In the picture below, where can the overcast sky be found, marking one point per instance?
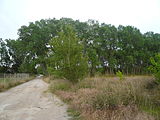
(143, 14)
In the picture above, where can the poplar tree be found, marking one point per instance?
(66, 56)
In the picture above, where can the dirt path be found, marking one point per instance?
(29, 101)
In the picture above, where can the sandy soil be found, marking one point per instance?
(30, 101)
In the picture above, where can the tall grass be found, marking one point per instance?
(8, 82)
(108, 98)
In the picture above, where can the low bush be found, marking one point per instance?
(120, 75)
(155, 67)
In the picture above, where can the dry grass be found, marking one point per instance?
(11, 83)
(108, 98)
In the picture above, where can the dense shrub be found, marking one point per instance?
(155, 67)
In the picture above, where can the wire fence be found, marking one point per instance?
(5, 78)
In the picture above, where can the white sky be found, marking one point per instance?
(143, 14)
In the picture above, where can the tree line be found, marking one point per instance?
(106, 48)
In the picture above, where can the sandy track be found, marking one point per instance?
(29, 101)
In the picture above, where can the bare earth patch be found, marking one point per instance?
(29, 101)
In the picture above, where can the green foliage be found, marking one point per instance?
(107, 47)
(4, 57)
(93, 59)
(40, 70)
(27, 68)
(66, 58)
(120, 75)
(155, 67)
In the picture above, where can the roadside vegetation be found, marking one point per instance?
(7, 82)
(109, 98)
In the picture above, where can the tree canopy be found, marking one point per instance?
(108, 48)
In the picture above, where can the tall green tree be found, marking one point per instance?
(66, 56)
(16, 53)
(130, 49)
(4, 57)
(35, 37)
(107, 42)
